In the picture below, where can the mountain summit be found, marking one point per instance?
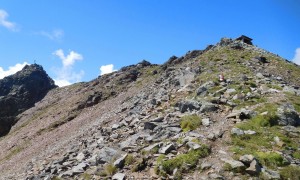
(20, 92)
(230, 111)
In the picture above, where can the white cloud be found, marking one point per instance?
(296, 58)
(61, 82)
(4, 22)
(11, 70)
(66, 75)
(70, 59)
(107, 69)
(55, 35)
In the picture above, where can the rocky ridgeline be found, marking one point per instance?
(182, 121)
(20, 92)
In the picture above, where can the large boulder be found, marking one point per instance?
(287, 115)
(20, 92)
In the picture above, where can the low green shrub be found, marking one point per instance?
(181, 161)
(190, 122)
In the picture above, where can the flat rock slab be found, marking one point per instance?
(119, 176)
(166, 149)
(233, 163)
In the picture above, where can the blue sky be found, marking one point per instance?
(72, 39)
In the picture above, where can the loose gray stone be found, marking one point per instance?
(193, 145)
(260, 75)
(166, 149)
(174, 129)
(211, 136)
(230, 91)
(80, 157)
(80, 168)
(215, 176)
(233, 163)
(254, 168)
(119, 176)
(119, 163)
(207, 107)
(247, 159)
(105, 155)
(156, 145)
(205, 122)
(202, 90)
(149, 125)
(131, 140)
(237, 131)
(249, 132)
(188, 105)
(205, 165)
(242, 114)
(66, 174)
(158, 119)
(115, 126)
(114, 136)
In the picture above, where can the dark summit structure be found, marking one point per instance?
(20, 92)
(245, 39)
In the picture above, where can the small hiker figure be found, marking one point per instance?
(221, 77)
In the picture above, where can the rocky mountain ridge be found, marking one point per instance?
(230, 111)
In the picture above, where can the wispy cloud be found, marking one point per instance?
(66, 75)
(11, 70)
(5, 23)
(296, 58)
(105, 69)
(55, 35)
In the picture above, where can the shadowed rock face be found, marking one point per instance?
(21, 91)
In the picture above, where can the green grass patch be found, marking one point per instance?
(290, 172)
(275, 86)
(270, 159)
(129, 160)
(249, 144)
(181, 161)
(110, 169)
(296, 154)
(249, 102)
(86, 176)
(267, 120)
(190, 122)
(266, 129)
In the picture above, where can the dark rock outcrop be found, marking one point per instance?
(21, 91)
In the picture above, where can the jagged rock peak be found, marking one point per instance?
(21, 91)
